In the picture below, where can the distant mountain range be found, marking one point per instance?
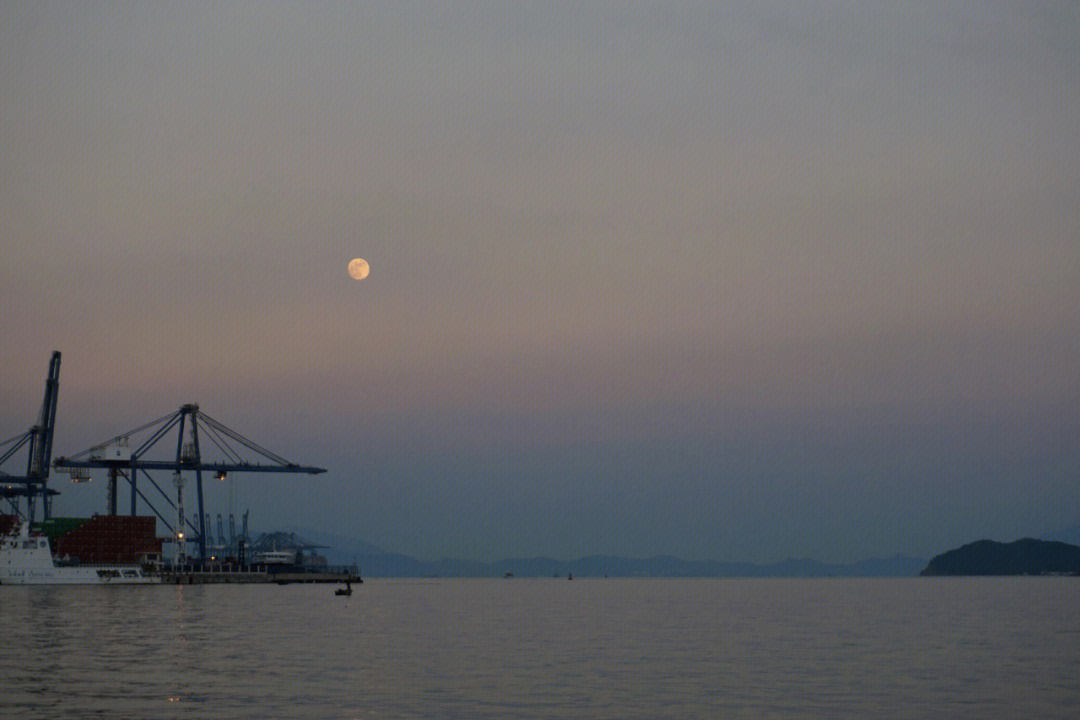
(376, 562)
(391, 565)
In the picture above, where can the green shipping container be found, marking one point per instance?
(57, 527)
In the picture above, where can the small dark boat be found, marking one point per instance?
(347, 590)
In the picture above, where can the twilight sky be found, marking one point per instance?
(738, 281)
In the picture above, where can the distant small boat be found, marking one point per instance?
(570, 576)
(347, 590)
(508, 575)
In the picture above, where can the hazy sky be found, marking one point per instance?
(738, 281)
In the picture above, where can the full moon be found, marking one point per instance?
(358, 269)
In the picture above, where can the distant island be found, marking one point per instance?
(1022, 557)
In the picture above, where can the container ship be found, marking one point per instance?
(124, 550)
(104, 549)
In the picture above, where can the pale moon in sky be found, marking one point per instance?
(358, 269)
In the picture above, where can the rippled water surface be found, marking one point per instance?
(590, 648)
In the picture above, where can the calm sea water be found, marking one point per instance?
(545, 648)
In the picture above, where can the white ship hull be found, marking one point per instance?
(80, 575)
(28, 560)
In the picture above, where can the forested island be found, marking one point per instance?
(1022, 557)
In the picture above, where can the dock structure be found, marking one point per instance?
(246, 574)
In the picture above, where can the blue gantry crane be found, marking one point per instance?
(123, 459)
(39, 438)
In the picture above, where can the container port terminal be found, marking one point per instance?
(118, 547)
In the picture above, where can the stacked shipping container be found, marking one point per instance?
(110, 539)
(7, 523)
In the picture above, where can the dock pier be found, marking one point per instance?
(217, 574)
